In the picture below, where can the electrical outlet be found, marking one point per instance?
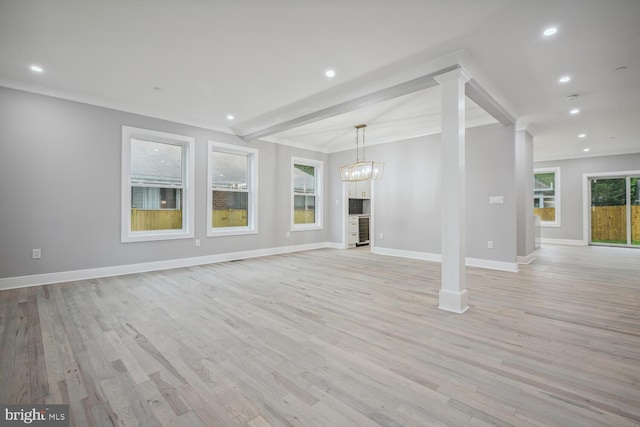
(490, 244)
(288, 234)
(36, 253)
(381, 236)
(197, 242)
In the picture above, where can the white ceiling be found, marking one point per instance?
(397, 119)
(251, 58)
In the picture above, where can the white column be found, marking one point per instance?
(524, 201)
(453, 293)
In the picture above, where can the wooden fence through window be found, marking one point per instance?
(545, 214)
(156, 219)
(609, 224)
(230, 218)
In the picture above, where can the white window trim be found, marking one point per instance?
(252, 185)
(319, 165)
(187, 231)
(558, 191)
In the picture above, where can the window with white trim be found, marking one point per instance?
(546, 196)
(157, 185)
(306, 194)
(232, 198)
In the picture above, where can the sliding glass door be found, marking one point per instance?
(634, 186)
(615, 211)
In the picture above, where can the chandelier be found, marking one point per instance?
(361, 170)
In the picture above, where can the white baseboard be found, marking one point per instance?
(563, 242)
(471, 262)
(424, 256)
(489, 264)
(527, 259)
(94, 273)
(334, 245)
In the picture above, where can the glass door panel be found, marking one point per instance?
(609, 211)
(635, 210)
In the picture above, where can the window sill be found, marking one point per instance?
(231, 231)
(550, 224)
(306, 227)
(149, 237)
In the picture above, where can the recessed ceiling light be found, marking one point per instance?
(230, 117)
(330, 73)
(582, 135)
(574, 111)
(550, 31)
(586, 150)
(36, 68)
(564, 79)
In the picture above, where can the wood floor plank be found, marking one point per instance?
(51, 357)
(8, 344)
(190, 419)
(158, 404)
(169, 394)
(21, 390)
(260, 421)
(135, 370)
(201, 407)
(115, 395)
(331, 337)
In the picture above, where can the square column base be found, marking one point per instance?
(455, 302)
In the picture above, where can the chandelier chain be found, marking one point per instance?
(357, 145)
(363, 129)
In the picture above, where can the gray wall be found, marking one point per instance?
(571, 189)
(491, 172)
(407, 199)
(524, 191)
(60, 189)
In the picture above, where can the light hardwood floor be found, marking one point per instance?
(334, 338)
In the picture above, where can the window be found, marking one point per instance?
(306, 197)
(157, 185)
(232, 194)
(546, 196)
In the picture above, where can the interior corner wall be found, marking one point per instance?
(407, 199)
(60, 174)
(524, 191)
(571, 199)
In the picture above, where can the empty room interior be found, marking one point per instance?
(320, 213)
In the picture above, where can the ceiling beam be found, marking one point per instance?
(475, 92)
